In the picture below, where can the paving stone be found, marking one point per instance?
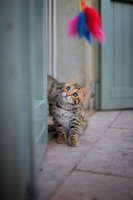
(86, 186)
(57, 163)
(103, 118)
(113, 154)
(98, 124)
(125, 120)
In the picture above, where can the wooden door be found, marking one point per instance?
(116, 72)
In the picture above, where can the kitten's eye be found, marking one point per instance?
(68, 88)
(75, 94)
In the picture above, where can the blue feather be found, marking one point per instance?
(82, 28)
(88, 36)
(81, 25)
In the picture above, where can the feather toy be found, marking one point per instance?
(72, 27)
(87, 23)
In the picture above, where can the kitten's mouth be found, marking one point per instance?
(66, 97)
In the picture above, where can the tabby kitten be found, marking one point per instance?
(68, 114)
(54, 87)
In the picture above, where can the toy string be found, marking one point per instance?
(80, 4)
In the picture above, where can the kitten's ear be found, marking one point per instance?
(86, 92)
(73, 79)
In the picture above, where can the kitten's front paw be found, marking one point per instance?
(62, 139)
(73, 140)
(73, 143)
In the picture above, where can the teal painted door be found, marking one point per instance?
(23, 96)
(117, 56)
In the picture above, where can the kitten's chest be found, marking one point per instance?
(64, 117)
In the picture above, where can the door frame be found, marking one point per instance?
(52, 37)
(98, 68)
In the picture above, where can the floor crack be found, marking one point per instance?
(106, 174)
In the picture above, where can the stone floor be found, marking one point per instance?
(100, 168)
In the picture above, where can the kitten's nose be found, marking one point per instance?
(67, 95)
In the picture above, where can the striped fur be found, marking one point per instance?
(68, 114)
(54, 87)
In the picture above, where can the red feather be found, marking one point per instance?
(93, 21)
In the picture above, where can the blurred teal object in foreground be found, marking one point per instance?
(23, 95)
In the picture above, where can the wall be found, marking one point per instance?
(74, 56)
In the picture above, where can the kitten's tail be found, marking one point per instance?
(51, 128)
